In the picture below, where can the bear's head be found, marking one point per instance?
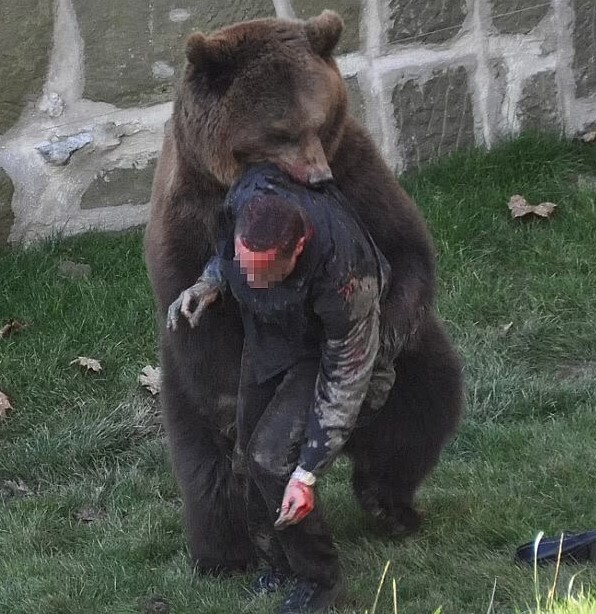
(263, 90)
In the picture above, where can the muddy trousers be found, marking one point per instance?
(271, 421)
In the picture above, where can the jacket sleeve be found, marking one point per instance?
(350, 317)
(212, 273)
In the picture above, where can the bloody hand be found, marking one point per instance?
(297, 504)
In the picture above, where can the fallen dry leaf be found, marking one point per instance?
(150, 378)
(520, 207)
(544, 209)
(14, 326)
(89, 514)
(16, 488)
(87, 363)
(5, 405)
(589, 137)
(156, 604)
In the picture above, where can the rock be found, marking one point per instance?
(425, 21)
(58, 150)
(26, 40)
(517, 16)
(51, 104)
(584, 41)
(124, 41)
(435, 117)
(121, 186)
(538, 106)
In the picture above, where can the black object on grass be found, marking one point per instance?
(574, 548)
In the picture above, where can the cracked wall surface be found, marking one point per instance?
(87, 89)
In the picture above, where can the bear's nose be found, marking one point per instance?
(320, 175)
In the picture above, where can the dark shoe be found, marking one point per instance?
(575, 548)
(270, 582)
(309, 597)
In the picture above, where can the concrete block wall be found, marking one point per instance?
(87, 88)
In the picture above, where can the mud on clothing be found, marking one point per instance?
(271, 419)
(327, 309)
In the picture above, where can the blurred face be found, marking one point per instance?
(265, 269)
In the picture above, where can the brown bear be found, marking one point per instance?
(269, 90)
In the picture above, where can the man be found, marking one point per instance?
(308, 280)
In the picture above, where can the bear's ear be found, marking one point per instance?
(206, 53)
(323, 32)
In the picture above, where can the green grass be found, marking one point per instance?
(520, 301)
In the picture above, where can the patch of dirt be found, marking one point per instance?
(586, 182)
(156, 604)
(74, 270)
(581, 370)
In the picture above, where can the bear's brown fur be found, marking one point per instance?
(270, 90)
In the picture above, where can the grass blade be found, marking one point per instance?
(550, 600)
(492, 598)
(536, 583)
(374, 608)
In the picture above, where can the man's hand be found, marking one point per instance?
(192, 303)
(297, 504)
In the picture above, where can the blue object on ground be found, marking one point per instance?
(575, 548)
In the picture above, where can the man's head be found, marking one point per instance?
(270, 236)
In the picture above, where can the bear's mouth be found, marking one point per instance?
(307, 175)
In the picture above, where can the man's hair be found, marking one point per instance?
(272, 222)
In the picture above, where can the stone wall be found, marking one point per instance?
(87, 88)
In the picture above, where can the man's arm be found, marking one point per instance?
(347, 364)
(351, 326)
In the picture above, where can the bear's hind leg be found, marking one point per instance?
(201, 453)
(213, 496)
(383, 491)
(397, 449)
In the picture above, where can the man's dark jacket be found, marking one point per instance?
(327, 308)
